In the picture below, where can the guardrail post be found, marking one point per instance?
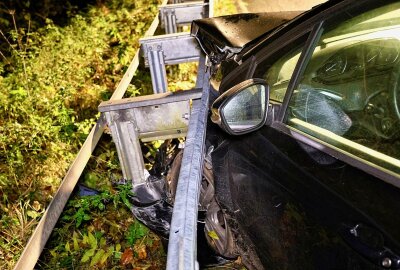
(170, 21)
(125, 136)
(157, 69)
(183, 13)
(170, 49)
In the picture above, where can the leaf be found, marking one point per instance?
(66, 217)
(85, 239)
(108, 254)
(92, 241)
(20, 92)
(53, 252)
(141, 230)
(127, 256)
(103, 241)
(96, 258)
(136, 231)
(78, 220)
(101, 206)
(141, 252)
(213, 235)
(75, 239)
(32, 214)
(67, 247)
(86, 256)
(91, 179)
(117, 255)
(126, 201)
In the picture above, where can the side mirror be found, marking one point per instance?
(243, 108)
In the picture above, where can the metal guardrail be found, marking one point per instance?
(146, 118)
(182, 246)
(173, 48)
(159, 116)
(127, 126)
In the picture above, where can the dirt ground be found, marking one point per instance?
(275, 5)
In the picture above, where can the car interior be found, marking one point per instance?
(348, 92)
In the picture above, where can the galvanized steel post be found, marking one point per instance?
(157, 69)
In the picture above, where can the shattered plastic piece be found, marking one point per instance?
(86, 191)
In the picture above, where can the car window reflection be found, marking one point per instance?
(350, 85)
(278, 69)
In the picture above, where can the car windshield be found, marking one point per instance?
(386, 17)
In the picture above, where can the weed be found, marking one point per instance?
(80, 209)
(99, 239)
(135, 232)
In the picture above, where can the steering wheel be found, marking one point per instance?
(395, 90)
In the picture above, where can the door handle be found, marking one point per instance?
(369, 243)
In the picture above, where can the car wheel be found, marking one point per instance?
(217, 231)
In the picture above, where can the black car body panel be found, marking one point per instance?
(296, 214)
(294, 201)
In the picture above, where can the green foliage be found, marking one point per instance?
(97, 241)
(51, 82)
(225, 7)
(135, 232)
(80, 209)
(89, 249)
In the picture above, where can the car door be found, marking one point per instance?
(318, 187)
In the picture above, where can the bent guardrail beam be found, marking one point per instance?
(182, 246)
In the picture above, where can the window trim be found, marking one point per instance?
(305, 56)
(382, 173)
(248, 65)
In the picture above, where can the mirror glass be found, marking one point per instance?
(246, 109)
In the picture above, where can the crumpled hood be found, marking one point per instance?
(223, 37)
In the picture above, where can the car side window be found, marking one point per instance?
(348, 94)
(278, 68)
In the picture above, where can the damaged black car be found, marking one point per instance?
(303, 143)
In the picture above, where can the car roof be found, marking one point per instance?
(237, 30)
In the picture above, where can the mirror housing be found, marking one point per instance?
(243, 108)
